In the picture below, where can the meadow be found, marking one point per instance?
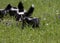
(49, 32)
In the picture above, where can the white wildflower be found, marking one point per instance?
(47, 24)
(33, 40)
(44, 18)
(57, 11)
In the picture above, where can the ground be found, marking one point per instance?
(49, 32)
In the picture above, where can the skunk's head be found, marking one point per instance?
(20, 7)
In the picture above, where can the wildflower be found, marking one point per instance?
(47, 24)
(57, 12)
(44, 18)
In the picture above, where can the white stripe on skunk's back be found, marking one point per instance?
(14, 9)
(17, 10)
(20, 13)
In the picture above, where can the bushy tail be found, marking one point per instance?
(8, 7)
(20, 7)
(30, 11)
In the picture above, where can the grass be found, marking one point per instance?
(49, 31)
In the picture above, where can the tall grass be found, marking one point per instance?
(49, 31)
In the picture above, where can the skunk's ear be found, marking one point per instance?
(30, 11)
(20, 6)
(8, 7)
